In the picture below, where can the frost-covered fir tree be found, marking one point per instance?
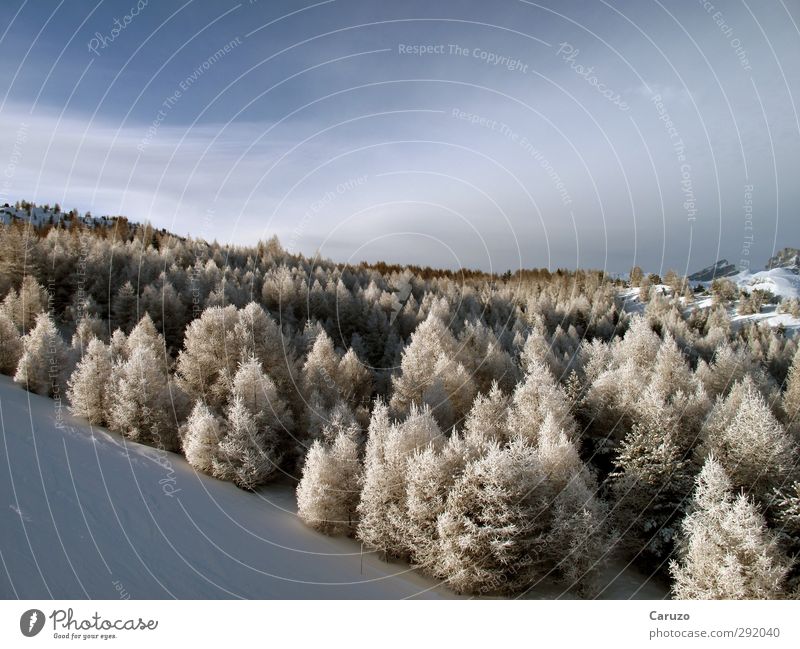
(390, 447)
(520, 514)
(210, 356)
(88, 327)
(247, 456)
(119, 346)
(726, 552)
(535, 397)
(671, 372)
(452, 392)
(43, 367)
(639, 345)
(250, 452)
(260, 396)
(426, 377)
(320, 370)
(431, 474)
(143, 402)
(791, 399)
(354, 379)
(746, 439)
(487, 419)
(24, 307)
(201, 437)
(124, 307)
(730, 366)
(257, 334)
(161, 300)
(145, 334)
(328, 493)
(580, 516)
(651, 485)
(10, 344)
(88, 387)
(482, 354)
(241, 457)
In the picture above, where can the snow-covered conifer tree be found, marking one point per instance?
(10, 344)
(487, 419)
(119, 346)
(328, 493)
(124, 307)
(201, 438)
(354, 380)
(259, 395)
(514, 511)
(389, 450)
(791, 398)
(210, 356)
(247, 456)
(746, 439)
(142, 402)
(535, 397)
(88, 387)
(727, 552)
(430, 475)
(145, 334)
(650, 485)
(43, 365)
(250, 452)
(418, 366)
(258, 335)
(25, 306)
(320, 370)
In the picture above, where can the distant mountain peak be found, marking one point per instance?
(787, 258)
(723, 268)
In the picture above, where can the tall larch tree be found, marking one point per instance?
(43, 366)
(726, 552)
(88, 387)
(328, 492)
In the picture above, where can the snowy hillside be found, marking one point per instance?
(40, 216)
(87, 514)
(781, 282)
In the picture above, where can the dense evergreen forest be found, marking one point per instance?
(493, 430)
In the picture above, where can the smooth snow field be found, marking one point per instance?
(87, 514)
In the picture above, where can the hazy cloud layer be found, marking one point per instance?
(454, 133)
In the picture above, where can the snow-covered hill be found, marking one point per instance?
(83, 513)
(39, 216)
(86, 514)
(781, 282)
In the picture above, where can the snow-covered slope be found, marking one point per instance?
(83, 513)
(781, 282)
(39, 216)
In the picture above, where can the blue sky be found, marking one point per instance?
(492, 135)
